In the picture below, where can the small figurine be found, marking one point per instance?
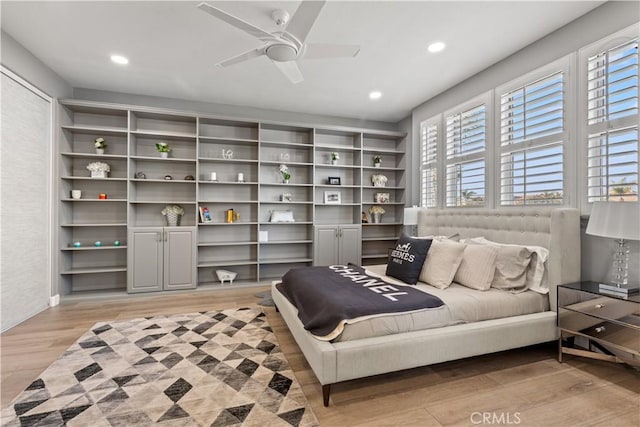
(365, 220)
(141, 175)
(189, 178)
(168, 177)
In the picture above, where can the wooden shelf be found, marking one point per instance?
(286, 242)
(88, 178)
(161, 159)
(219, 160)
(285, 261)
(164, 181)
(94, 155)
(226, 263)
(164, 134)
(206, 139)
(336, 148)
(215, 244)
(104, 130)
(283, 144)
(228, 182)
(118, 224)
(227, 223)
(93, 200)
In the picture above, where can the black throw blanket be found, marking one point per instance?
(328, 297)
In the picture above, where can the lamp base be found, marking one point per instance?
(623, 290)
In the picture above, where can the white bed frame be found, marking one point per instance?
(555, 229)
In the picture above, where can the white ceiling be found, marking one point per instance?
(173, 48)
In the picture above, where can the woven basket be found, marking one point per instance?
(173, 219)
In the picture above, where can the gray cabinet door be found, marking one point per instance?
(325, 245)
(145, 255)
(350, 245)
(179, 258)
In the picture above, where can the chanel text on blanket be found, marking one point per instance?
(371, 283)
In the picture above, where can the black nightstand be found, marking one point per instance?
(610, 323)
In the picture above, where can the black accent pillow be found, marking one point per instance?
(407, 258)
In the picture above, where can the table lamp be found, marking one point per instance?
(411, 219)
(620, 221)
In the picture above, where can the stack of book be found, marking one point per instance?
(622, 291)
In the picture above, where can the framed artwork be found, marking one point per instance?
(332, 197)
(381, 197)
(333, 180)
(205, 214)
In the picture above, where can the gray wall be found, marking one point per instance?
(606, 19)
(22, 62)
(234, 111)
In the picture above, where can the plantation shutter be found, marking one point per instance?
(466, 134)
(612, 123)
(429, 148)
(532, 135)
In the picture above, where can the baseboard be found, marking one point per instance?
(54, 300)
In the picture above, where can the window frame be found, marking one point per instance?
(424, 164)
(584, 129)
(486, 99)
(565, 65)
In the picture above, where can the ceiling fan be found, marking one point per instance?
(285, 47)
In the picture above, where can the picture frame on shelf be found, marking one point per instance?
(381, 197)
(333, 180)
(205, 214)
(286, 197)
(332, 198)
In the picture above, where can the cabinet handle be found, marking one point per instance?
(599, 305)
(600, 329)
(341, 232)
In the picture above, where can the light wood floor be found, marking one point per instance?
(525, 387)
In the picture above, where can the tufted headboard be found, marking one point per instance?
(555, 229)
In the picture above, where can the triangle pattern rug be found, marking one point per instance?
(216, 368)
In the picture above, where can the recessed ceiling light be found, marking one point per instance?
(436, 47)
(375, 94)
(119, 59)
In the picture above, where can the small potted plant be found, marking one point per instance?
(99, 169)
(284, 171)
(376, 213)
(163, 148)
(173, 213)
(100, 145)
(334, 158)
(377, 160)
(379, 180)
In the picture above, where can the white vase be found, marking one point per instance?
(98, 174)
(99, 150)
(376, 165)
(285, 181)
(334, 162)
(164, 155)
(376, 218)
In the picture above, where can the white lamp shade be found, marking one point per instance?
(617, 220)
(411, 215)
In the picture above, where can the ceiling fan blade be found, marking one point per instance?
(290, 70)
(253, 53)
(322, 50)
(236, 22)
(304, 18)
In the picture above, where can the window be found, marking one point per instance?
(428, 166)
(532, 137)
(610, 78)
(466, 133)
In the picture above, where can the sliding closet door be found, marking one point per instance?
(25, 174)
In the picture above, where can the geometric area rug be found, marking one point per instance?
(216, 368)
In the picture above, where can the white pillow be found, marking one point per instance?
(477, 268)
(282, 216)
(442, 262)
(536, 277)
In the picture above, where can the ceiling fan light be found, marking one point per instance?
(436, 47)
(119, 59)
(376, 94)
(282, 52)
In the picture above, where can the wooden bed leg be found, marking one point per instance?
(326, 391)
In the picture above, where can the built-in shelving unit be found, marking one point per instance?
(218, 164)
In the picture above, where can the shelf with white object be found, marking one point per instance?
(93, 156)
(149, 213)
(245, 272)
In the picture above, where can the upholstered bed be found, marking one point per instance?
(554, 229)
